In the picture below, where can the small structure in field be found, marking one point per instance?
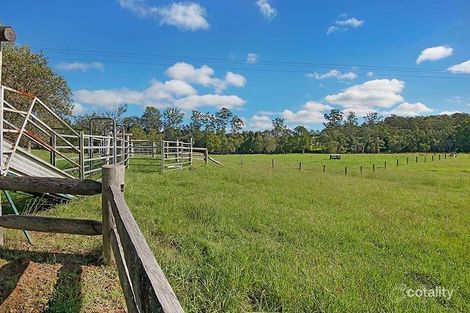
(335, 156)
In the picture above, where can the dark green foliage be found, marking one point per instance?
(342, 133)
(28, 71)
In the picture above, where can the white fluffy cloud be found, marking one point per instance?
(176, 92)
(411, 109)
(252, 58)
(209, 100)
(204, 76)
(259, 122)
(310, 113)
(187, 16)
(350, 22)
(374, 93)
(344, 24)
(460, 68)
(332, 29)
(434, 53)
(266, 9)
(80, 66)
(78, 108)
(379, 95)
(234, 79)
(184, 15)
(169, 89)
(449, 112)
(157, 94)
(189, 73)
(108, 98)
(333, 74)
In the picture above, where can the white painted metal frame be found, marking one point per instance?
(176, 155)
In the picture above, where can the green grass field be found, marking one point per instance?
(247, 237)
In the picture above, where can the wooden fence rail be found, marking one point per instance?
(144, 284)
(147, 283)
(50, 185)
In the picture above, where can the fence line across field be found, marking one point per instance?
(346, 169)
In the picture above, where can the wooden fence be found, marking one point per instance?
(144, 284)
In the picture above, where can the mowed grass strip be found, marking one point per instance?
(248, 237)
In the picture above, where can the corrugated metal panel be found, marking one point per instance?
(26, 164)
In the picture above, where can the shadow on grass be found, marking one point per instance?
(10, 275)
(67, 295)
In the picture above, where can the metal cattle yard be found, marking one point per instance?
(176, 155)
(38, 142)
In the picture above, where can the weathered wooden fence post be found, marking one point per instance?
(206, 156)
(272, 163)
(324, 168)
(397, 162)
(345, 170)
(445, 155)
(439, 156)
(407, 160)
(425, 159)
(373, 167)
(300, 166)
(361, 169)
(416, 159)
(432, 158)
(385, 164)
(112, 175)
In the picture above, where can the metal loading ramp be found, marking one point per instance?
(23, 163)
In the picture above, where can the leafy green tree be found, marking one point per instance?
(270, 144)
(462, 136)
(138, 132)
(236, 124)
(117, 113)
(372, 118)
(279, 127)
(30, 72)
(172, 118)
(303, 139)
(351, 119)
(197, 121)
(131, 121)
(151, 119)
(333, 119)
(223, 118)
(213, 142)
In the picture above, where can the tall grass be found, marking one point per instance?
(249, 237)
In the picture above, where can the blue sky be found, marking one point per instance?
(260, 58)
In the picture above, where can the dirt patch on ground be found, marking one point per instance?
(57, 274)
(33, 290)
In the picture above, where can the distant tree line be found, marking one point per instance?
(222, 132)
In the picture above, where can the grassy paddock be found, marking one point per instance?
(248, 237)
